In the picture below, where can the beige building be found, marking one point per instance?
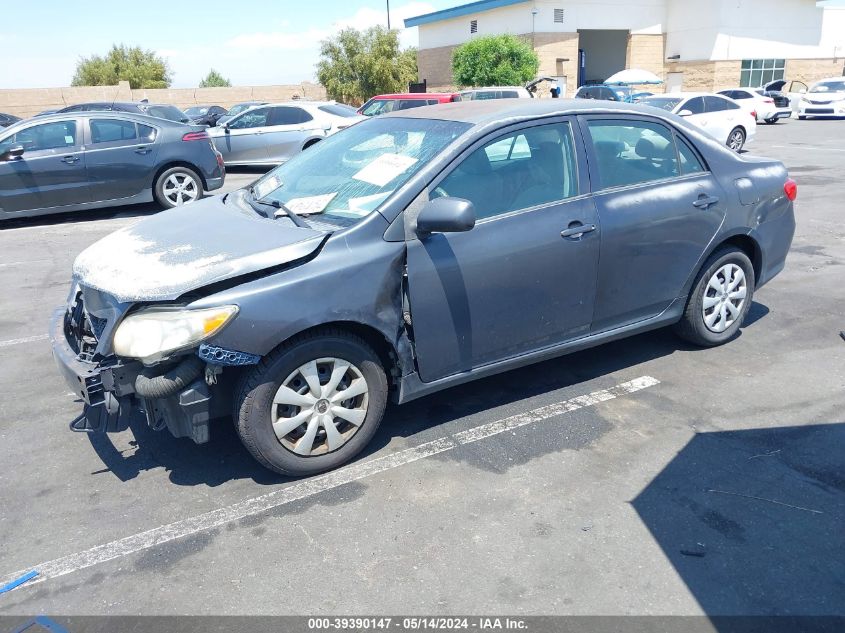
(691, 45)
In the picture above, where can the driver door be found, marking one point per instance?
(524, 277)
(51, 172)
(243, 140)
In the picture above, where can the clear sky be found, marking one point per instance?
(251, 42)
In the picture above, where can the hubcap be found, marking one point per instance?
(736, 140)
(724, 298)
(320, 406)
(180, 188)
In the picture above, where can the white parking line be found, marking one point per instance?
(809, 147)
(316, 485)
(26, 339)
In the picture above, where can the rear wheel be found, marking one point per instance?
(772, 120)
(736, 139)
(719, 300)
(178, 186)
(313, 404)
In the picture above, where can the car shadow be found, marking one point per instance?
(224, 458)
(75, 217)
(752, 520)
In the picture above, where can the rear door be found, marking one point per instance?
(243, 140)
(697, 116)
(51, 172)
(524, 277)
(723, 116)
(120, 157)
(287, 129)
(659, 208)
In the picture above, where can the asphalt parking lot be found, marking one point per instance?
(688, 482)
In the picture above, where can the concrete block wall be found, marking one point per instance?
(30, 101)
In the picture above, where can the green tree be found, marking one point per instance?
(215, 80)
(142, 69)
(494, 60)
(355, 65)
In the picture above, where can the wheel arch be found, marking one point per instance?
(179, 163)
(311, 141)
(386, 351)
(741, 240)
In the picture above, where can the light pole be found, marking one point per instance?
(388, 15)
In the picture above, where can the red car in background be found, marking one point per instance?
(382, 104)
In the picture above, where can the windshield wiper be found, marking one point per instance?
(278, 205)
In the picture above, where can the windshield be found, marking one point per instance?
(196, 111)
(378, 106)
(347, 176)
(338, 109)
(171, 113)
(829, 86)
(664, 103)
(239, 108)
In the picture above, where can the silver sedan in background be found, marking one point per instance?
(273, 133)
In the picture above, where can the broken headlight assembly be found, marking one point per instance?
(152, 333)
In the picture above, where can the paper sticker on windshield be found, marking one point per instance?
(267, 186)
(68, 140)
(311, 204)
(384, 169)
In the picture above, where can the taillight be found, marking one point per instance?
(754, 113)
(196, 136)
(790, 188)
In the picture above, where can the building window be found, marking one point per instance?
(473, 26)
(558, 16)
(758, 72)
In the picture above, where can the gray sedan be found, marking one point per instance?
(272, 134)
(414, 252)
(88, 160)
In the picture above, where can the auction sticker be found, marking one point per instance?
(384, 169)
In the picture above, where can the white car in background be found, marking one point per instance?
(719, 116)
(824, 98)
(495, 92)
(756, 102)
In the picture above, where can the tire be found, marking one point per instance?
(801, 117)
(771, 121)
(693, 327)
(256, 408)
(178, 186)
(736, 139)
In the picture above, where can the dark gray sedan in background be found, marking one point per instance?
(414, 252)
(74, 161)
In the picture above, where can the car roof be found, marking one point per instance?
(139, 118)
(487, 111)
(494, 88)
(417, 95)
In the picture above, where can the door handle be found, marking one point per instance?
(70, 160)
(704, 201)
(576, 230)
(143, 150)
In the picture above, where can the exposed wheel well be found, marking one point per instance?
(179, 163)
(313, 141)
(748, 246)
(375, 339)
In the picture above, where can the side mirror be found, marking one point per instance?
(685, 113)
(446, 215)
(13, 153)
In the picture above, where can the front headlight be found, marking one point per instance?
(151, 334)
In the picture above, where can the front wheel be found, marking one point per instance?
(177, 186)
(313, 404)
(719, 300)
(736, 139)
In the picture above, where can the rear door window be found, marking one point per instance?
(288, 116)
(690, 163)
(630, 152)
(715, 104)
(113, 132)
(694, 105)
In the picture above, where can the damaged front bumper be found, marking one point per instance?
(108, 388)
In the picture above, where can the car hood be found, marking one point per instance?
(833, 95)
(176, 251)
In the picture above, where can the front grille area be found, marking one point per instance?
(819, 110)
(82, 330)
